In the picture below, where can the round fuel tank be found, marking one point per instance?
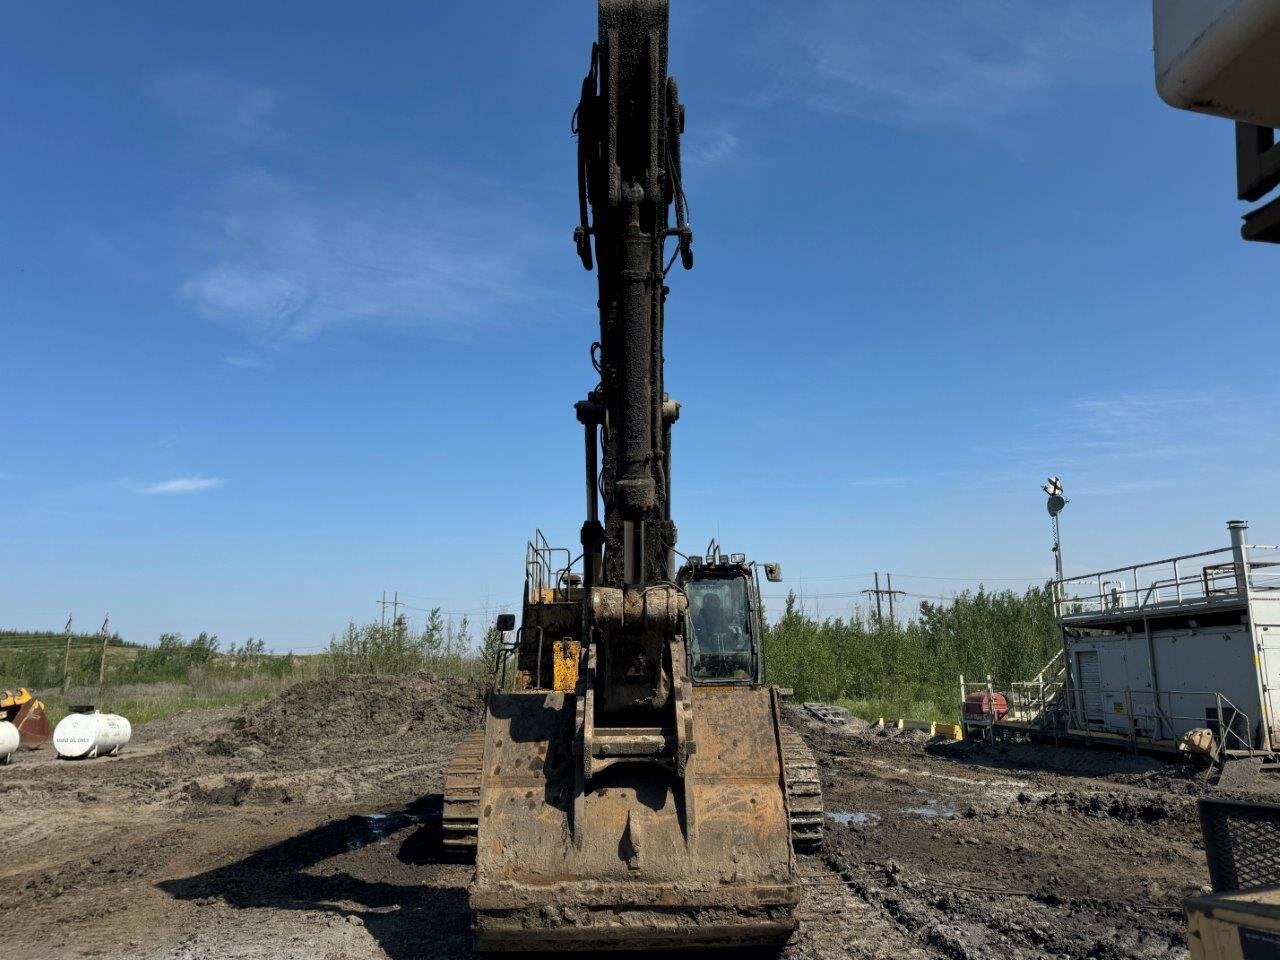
(82, 735)
(981, 704)
(9, 739)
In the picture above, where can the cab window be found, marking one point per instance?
(720, 641)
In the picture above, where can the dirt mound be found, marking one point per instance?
(361, 708)
(1126, 807)
(801, 719)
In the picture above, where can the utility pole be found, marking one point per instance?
(102, 664)
(395, 610)
(889, 592)
(66, 657)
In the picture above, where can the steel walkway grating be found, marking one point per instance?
(1242, 841)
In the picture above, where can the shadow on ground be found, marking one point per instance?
(403, 889)
(1101, 763)
(387, 869)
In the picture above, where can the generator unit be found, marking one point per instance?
(1155, 650)
(1153, 653)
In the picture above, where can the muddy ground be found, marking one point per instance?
(308, 827)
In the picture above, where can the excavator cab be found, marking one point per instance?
(724, 621)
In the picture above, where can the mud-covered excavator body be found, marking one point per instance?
(630, 788)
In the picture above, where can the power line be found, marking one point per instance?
(75, 648)
(922, 576)
(447, 613)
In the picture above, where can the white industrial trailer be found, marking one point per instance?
(1152, 651)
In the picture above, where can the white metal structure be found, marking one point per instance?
(1220, 57)
(84, 735)
(1153, 650)
(1157, 649)
(9, 740)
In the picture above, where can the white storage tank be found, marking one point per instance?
(1220, 57)
(8, 740)
(90, 734)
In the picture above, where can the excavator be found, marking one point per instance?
(634, 786)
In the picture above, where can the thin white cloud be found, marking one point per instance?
(716, 146)
(287, 262)
(180, 485)
(924, 64)
(889, 480)
(216, 108)
(244, 362)
(287, 257)
(1135, 415)
(1137, 442)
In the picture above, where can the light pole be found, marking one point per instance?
(1053, 487)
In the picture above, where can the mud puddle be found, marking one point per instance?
(928, 808)
(373, 828)
(854, 818)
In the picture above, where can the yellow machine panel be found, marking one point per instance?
(1241, 925)
(1240, 920)
(565, 666)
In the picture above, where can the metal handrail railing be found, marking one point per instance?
(1026, 700)
(1167, 583)
(1054, 704)
(540, 572)
(1226, 716)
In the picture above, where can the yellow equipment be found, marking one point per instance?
(1240, 920)
(26, 712)
(1241, 925)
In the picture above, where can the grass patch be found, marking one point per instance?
(872, 709)
(150, 682)
(153, 682)
(142, 703)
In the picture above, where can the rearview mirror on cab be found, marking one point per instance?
(773, 572)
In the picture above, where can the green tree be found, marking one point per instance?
(491, 650)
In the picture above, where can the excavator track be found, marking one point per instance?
(462, 798)
(804, 792)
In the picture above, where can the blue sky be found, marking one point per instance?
(290, 314)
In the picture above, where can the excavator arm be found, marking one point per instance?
(628, 123)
